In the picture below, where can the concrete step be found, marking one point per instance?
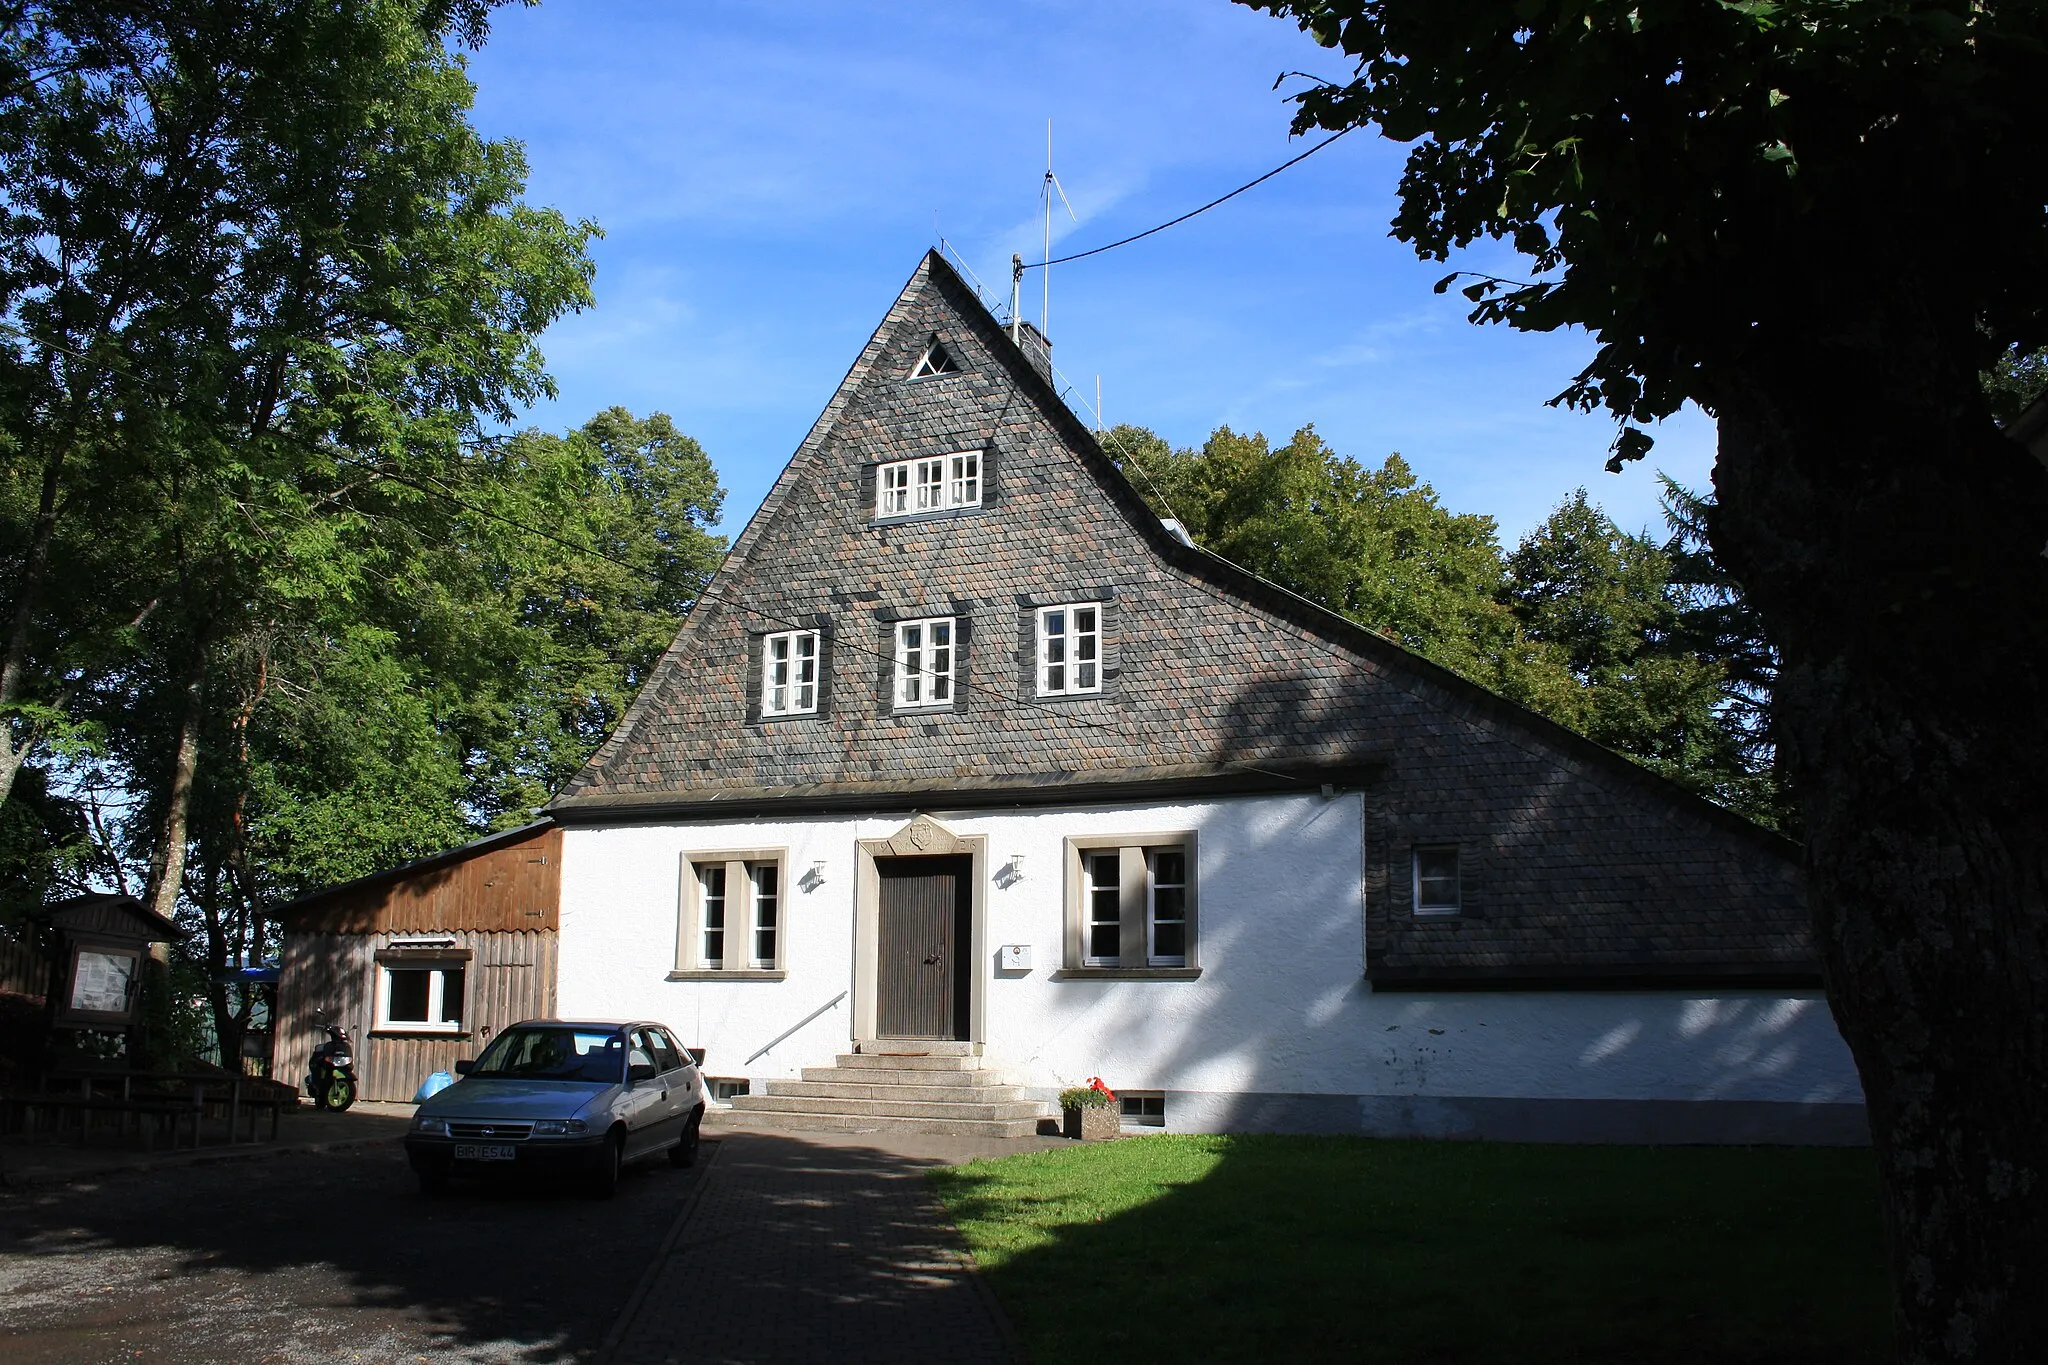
(886, 1108)
(898, 1061)
(917, 1047)
(876, 1075)
(841, 1086)
(872, 1123)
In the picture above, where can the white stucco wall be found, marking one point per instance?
(1281, 1008)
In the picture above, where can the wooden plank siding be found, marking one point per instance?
(509, 977)
(23, 968)
(499, 901)
(511, 887)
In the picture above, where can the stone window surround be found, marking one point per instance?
(689, 914)
(1133, 883)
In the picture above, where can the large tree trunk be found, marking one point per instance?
(167, 862)
(1893, 541)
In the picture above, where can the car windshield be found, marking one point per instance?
(556, 1054)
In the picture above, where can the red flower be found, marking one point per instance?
(1095, 1083)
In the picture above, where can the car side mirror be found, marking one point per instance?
(639, 1071)
(696, 1054)
(465, 1065)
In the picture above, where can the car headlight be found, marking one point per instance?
(559, 1127)
(429, 1127)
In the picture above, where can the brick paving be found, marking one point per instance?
(816, 1247)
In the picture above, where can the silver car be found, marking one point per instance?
(560, 1096)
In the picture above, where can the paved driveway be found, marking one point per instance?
(320, 1257)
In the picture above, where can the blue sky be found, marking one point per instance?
(767, 176)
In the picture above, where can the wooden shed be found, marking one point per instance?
(423, 963)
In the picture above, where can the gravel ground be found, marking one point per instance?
(321, 1257)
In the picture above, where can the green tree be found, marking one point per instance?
(1815, 218)
(1649, 687)
(1376, 545)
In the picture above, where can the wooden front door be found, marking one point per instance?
(923, 947)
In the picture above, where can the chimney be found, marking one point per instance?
(1036, 348)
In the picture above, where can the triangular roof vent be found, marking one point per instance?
(935, 361)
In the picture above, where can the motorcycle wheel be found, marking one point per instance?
(339, 1093)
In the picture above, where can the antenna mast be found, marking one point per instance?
(1050, 188)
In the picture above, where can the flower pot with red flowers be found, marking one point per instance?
(1090, 1111)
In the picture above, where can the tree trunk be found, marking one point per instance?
(16, 747)
(1893, 541)
(167, 862)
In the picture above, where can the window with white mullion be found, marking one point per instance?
(892, 490)
(1102, 933)
(932, 483)
(767, 880)
(711, 882)
(1166, 908)
(1069, 650)
(789, 673)
(924, 662)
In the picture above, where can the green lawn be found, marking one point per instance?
(1303, 1248)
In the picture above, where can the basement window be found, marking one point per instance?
(1143, 1108)
(726, 1087)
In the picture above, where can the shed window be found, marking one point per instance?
(421, 997)
(1437, 890)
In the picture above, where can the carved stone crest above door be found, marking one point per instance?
(922, 837)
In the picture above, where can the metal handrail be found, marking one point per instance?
(794, 1027)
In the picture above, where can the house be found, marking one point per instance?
(964, 763)
(421, 963)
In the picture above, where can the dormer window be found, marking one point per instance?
(934, 361)
(937, 483)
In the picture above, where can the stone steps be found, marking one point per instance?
(914, 1087)
(876, 1123)
(838, 1086)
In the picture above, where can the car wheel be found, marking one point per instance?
(684, 1153)
(604, 1182)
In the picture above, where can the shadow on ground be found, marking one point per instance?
(327, 1256)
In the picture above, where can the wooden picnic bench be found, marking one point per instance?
(154, 1102)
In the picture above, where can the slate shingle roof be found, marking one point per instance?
(1577, 862)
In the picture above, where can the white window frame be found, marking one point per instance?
(741, 927)
(1454, 906)
(437, 1020)
(924, 682)
(1061, 663)
(1092, 907)
(1136, 901)
(929, 483)
(789, 685)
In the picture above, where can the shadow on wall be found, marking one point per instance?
(1774, 1066)
(1305, 1248)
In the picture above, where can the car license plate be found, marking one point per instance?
(484, 1151)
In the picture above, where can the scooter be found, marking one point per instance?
(331, 1073)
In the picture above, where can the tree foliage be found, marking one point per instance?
(1818, 219)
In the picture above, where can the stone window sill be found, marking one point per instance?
(724, 974)
(1127, 974)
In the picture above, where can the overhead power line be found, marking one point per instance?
(1174, 222)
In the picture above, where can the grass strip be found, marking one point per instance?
(1228, 1247)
